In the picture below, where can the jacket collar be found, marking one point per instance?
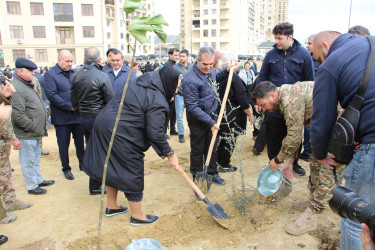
(290, 49)
(60, 71)
(24, 81)
(124, 68)
(338, 41)
(92, 65)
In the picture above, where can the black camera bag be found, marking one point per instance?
(342, 141)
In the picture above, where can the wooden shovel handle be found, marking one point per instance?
(192, 184)
(223, 104)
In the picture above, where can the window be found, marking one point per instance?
(205, 2)
(213, 33)
(108, 23)
(109, 35)
(205, 44)
(205, 22)
(205, 12)
(213, 21)
(63, 12)
(36, 9)
(205, 33)
(88, 31)
(41, 55)
(17, 53)
(122, 35)
(213, 1)
(39, 31)
(213, 45)
(122, 47)
(16, 31)
(87, 10)
(13, 7)
(213, 11)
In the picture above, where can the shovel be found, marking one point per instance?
(214, 209)
(202, 179)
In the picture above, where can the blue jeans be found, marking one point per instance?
(180, 106)
(359, 178)
(29, 158)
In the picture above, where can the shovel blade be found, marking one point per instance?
(203, 181)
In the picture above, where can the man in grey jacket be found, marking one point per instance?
(29, 124)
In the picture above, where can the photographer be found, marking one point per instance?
(336, 82)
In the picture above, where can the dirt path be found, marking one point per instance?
(67, 216)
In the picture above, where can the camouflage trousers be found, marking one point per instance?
(321, 183)
(7, 192)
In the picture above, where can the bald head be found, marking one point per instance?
(65, 60)
(322, 42)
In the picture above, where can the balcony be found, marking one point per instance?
(196, 27)
(110, 2)
(63, 18)
(196, 7)
(196, 16)
(224, 5)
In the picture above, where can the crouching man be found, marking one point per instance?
(294, 101)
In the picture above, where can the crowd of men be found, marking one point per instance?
(297, 90)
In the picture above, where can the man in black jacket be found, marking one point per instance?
(91, 90)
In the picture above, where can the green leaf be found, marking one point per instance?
(138, 30)
(131, 5)
(157, 20)
(160, 33)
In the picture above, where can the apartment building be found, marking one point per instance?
(276, 12)
(227, 25)
(39, 29)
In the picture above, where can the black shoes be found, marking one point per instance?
(112, 212)
(298, 170)
(46, 183)
(173, 132)
(37, 191)
(149, 219)
(181, 138)
(256, 152)
(69, 175)
(3, 239)
(229, 168)
(304, 157)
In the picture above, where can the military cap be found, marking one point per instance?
(25, 63)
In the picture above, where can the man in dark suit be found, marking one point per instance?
(57, 88)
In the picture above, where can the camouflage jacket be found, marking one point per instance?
(6, 128)
(295, 101)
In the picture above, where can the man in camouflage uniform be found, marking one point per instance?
(295, 103)
(8, 138)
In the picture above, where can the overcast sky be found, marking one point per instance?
(308, 17)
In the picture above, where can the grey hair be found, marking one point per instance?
(311, 36)
(225, 59)
(359, 30)
(92, 54)
(207, 51)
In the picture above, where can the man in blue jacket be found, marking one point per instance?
(57, 88)
(118, 74)
(287, 63)
(344, 60)
(201, 109)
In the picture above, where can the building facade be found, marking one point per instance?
(276, 12)
(39, 29)
(237, 26)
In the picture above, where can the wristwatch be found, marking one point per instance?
(277, 160)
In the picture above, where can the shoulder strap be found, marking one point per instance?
(357, 99)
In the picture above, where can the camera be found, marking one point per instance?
(348, 204)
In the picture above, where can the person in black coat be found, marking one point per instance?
(142, 124)
(234, 120)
